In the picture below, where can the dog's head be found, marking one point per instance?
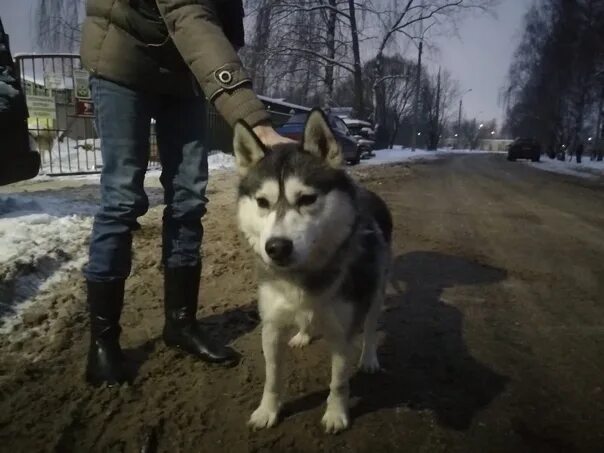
(296, 204)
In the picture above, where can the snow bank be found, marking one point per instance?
(42, 238)
(69, 155)
(217, 160)
(398, 154)
(72, 156)
(590, 169)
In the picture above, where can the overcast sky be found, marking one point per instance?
(479, 57)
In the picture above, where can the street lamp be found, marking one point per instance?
(459, 117)
(481, 126)
(492, 132)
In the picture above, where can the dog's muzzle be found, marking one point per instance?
(279, 250)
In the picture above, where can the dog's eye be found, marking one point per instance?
(307, 200)
(262, 203)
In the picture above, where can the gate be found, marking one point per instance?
(61, 114)
(64, 135)
(61, 111)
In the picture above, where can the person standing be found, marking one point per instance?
(159, 59)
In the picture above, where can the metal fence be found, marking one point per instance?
(64, 136)
(61, 111)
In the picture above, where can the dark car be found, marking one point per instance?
(294, 128)
(524, 148)
(18, 161)
(362, 131)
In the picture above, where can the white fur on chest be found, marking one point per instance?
(286, 304)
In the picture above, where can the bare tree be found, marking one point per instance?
(555, 81)
(58, 24)
(472, 131)
(399, 92)
(260, 41)
(324, 34)
(359, 106)
(400, 19)
(439, 106)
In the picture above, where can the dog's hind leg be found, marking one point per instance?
(267, 412)
(304, 336)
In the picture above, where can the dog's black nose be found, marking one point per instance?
(279, 249)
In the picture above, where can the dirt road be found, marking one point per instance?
(492, 337)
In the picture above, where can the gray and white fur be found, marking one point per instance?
(323, 250)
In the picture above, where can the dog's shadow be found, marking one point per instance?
(426, 362)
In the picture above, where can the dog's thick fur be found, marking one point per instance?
(332, 278)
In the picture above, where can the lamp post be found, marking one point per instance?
(459, 117)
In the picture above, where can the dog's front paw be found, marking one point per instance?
(369, 363)
(335, 420)
(263, 417)
(300, 340)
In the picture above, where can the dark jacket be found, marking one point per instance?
(170, 46)
(17, 160)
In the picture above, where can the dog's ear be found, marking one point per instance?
(247, 146)
(319, 140)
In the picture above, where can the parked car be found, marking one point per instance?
(524, 148)
(294, 128)
(363, 132)
(18, 159)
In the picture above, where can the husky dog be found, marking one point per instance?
(323, 251)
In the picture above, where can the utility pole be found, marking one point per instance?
(436, 126)
(418, 80)
(459, 122)
(459, 116)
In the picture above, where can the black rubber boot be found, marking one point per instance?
(181, 331)
(105, 359)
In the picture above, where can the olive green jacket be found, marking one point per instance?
(170, 46)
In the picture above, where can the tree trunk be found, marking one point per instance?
(260, 44)
(394, 133)
(418, 81)
(331, 52)
(359, 106)
(436, 125)
(379, 103)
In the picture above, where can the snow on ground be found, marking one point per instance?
(217, 160)
(386, 156)
(81, 150)
(41, 239)
(69, 155)
(44, 237)
(590, 169)
(399, 154)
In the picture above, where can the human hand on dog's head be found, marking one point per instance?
(318, 140)
(269, 136)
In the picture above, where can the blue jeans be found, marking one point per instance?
(123, 121)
